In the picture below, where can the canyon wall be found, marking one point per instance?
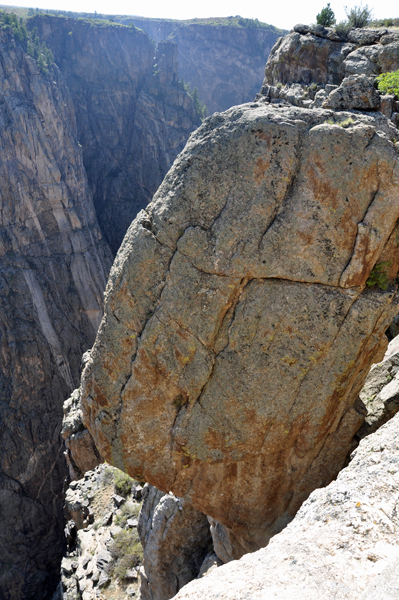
(54, 265)
(132, 116)
(225, 62)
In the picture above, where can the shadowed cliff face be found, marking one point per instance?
(225, 63)
(132, 117)
(53, 269)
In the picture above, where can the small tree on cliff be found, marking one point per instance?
(326, 16)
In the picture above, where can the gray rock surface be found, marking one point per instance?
(54, 265)
(104, 552)
(239, 292)
(176, 540)
(355, 91)
(380, 393)
(314, 54)
(343, 543)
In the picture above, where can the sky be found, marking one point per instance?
(281, 13)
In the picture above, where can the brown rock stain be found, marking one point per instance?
(262, 165)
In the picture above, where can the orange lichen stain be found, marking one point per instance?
(261, 167)
(289, 360)
(100, 398)
(306, 238)
(266, 137)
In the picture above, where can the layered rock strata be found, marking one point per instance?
(238, 327)
(54, 265)
(343, 543)
(132, 116)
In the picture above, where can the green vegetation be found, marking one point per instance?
(127, 511)
(15, 24)
(40, 52)
(385, 22)
(126, 550)
(345, 124)
(379, 275)
(122, 483)
(343, 28)
(28, 40)
(359, 16)
(326, 16)
(199, 106)
(388, 83)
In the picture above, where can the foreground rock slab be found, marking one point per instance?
(343, 543)
(238, 326)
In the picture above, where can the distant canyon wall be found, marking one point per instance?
(132, 117)
(225, 63)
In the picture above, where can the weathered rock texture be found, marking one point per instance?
(238, 329)
(104, 551)
(380, 393)
(53, 270)
(224, 62)
(343, 543)
(132, 116)
(317, 55)
(175, 538)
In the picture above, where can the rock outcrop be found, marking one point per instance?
(343, 543)
(224, 61)
(239, 326)
(132, 116)
(176, 540)
(104, 550)
(54, 266)
(318, 55)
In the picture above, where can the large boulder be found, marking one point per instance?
(239, 326)
(343, 543)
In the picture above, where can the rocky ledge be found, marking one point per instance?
(314, 67)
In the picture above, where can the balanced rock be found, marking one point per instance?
(239, 327)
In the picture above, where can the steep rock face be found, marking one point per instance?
(238, 329)
(224, 63)
(132, 119)
(317, 55)
(54, 266)
(343, 543)
(175, 538)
